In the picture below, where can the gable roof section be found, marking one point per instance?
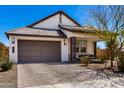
(51, 32)
(26, 31)
(59, 12)
(75, 29)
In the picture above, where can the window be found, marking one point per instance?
(81, 46)
(77, 49)
(13, 50)
(83, 49)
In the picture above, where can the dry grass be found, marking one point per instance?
(8, 79)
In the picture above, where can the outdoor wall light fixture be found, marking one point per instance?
(13, 40)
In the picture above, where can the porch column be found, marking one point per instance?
(95, 45)
(73, 49)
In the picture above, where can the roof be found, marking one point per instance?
(59, 12)
(26, 31)
(75, 29)
(45, 32)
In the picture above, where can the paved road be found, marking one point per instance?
(63, 75)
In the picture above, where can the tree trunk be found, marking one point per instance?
(111, 56)
(111, 63)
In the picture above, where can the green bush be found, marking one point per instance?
(85, 60)
(6, 66)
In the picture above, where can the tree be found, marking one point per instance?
(109, 23)
(3, 53)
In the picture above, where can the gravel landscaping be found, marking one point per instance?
(66, 75)
(8, 79)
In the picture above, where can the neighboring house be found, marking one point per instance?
(56, 38)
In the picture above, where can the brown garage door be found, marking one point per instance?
(39, 51)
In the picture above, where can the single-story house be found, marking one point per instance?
(56, 38)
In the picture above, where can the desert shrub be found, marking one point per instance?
(103, 58)
(6, 66)
(121, 62)
(121, 65)
(85, 60)
(3, 53)
(102, 53)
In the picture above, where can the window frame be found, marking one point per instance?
(13, 40)
(79, 45)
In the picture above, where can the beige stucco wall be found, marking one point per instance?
(51, 23)
(14, 56)
(90, 47)
(67, 21)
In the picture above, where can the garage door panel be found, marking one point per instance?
(39, 51)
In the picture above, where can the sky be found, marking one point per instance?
(15, 16)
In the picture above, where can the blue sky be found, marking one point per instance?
(12, 17)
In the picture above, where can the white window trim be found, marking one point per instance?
(79, 46)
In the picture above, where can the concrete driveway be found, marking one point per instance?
(63, 75)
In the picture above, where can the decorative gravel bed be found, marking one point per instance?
(8, 79)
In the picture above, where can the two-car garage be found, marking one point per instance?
(39, 51)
